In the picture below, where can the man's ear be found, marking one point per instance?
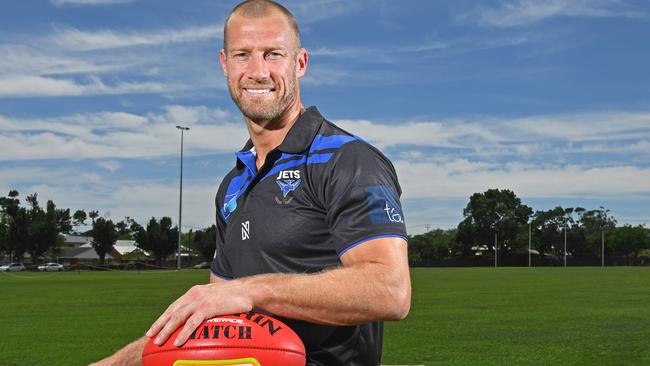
(222, 60)
(301, 63)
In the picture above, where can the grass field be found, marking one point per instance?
(468, 316)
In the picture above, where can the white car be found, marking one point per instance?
(51, 267)
(12, 267)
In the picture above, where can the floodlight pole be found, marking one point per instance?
(529, 248)
(496, 249)
(565, 244)
(180, 201)
(602, 245)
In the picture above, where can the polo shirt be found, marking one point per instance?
(322, 192)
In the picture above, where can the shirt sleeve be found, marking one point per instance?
(362, 197)
(220, 266)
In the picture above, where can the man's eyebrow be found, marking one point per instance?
(248, 49)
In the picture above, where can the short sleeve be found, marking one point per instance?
(220, 266)
(362, 197)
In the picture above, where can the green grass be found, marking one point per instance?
(459, 316)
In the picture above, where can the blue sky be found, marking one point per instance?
(549, 98)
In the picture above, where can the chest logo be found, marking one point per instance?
(245, 230)
(288, 181)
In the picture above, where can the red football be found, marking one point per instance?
(247, 339)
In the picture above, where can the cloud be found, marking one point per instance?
(110, 165)
(527, 12)
(444, 180)
(118, 196)
(89, 2)
(513, 135)
(28, 60)
(107, 135)
(39, 86)
(78, 40)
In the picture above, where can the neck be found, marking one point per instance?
(267, 135)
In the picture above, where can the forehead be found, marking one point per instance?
(270, 30)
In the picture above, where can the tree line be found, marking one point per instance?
(498, 218)
(494, 216)
(37, 230)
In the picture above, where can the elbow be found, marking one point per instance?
(400, 300)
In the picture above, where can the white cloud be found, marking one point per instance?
(526, 12)
(518, 135)
(89, 2)
(110, 165)
(78, 40)
(120, 135)
(27, 60)
(440, 180)
(39, 86)
(118, 197)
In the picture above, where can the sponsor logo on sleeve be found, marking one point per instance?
(383, 205)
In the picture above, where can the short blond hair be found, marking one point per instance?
(259, 9)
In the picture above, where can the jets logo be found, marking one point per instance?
(288, 181)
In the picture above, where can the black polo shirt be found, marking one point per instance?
(320, 193)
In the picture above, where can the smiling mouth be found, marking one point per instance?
(259, 91)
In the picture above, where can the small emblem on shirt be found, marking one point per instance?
(245, 230)
(230, 205)
(288, 181)
(383, 206)
(393, 214)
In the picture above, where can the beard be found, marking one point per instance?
(264, 109)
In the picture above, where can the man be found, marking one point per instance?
(310, 227)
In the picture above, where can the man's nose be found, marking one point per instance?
(258, 68)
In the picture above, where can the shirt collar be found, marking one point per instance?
(299, 137)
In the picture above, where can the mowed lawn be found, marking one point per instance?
(459, 316)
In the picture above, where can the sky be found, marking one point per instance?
(548, 98)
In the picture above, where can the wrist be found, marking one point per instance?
(260, 293)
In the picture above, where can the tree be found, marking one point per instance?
(431, 246)
(16, 224)
(104, 236)
(493, 211)
(629, 240)
(547, 229)
(158, 238)
(124, 228)
(45, 227)
(205, 241)
(31, 229)
(594, 223)
(79, 218)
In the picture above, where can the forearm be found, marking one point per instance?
(130, 355)
(372, 285)
(341, 296)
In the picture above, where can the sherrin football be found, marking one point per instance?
(247, 339)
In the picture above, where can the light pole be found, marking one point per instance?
(565, 244)
(496, 248)
(529, 235)
(602, 246)
(180, 201)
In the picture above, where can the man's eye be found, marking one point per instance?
(274, 55)
(239, 56)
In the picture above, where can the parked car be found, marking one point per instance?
(51, 267)
(202, 265)
(12, 267)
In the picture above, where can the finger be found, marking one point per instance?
(172, 324)
(157, 325)
(190, 326)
